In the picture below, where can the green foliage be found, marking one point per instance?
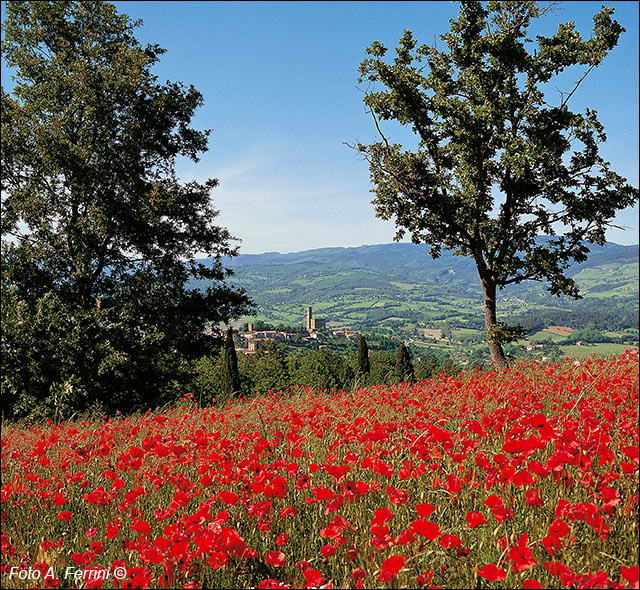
(321, 369)
(404, 364)
(383, 366)
(501, 333)
(99, 235)
(363, 357)
(427, 369)
(230, 379)
(485, 126)
(270, 371)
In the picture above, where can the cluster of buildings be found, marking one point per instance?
(314, 329)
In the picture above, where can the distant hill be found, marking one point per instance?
(410, 256)
(398, 290)
(402, 260)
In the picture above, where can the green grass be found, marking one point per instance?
(601, 348)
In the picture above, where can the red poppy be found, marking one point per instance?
(424, 510)
(492, 572)
(271, 584)
(532, 497)
(217, 559)
(450, 541)
(382, 515)
(630, 574)
(390, 567)
(142, 527)
(66, 516)
(328, 551)
(230, 498)
(313, 578)
(358, 574)
(275, 558)
(558, 528)
(475, 519)
(522, 558)
(429, 530)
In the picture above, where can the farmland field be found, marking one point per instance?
(526, 478)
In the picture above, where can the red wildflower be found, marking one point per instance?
(522, 558)
(558, 528)
(66, 516)
(475, 519)
(271, 584)
(630, 574)
(382, 515)
(313, 578)
(328, 551)
(397, 496)
(532, 497)
(275, 558)
(358, 574)
(142, 527)
(492, 572)
(217, 559)
(450, 541)
(335, 528)
(424, 510)
(429, 530)
(230, 498)
(390, 567)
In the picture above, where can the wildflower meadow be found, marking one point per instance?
(522, 478)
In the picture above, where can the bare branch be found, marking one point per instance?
(564, 102)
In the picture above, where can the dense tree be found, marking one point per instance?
(99, 234)
(321, 369)
(363, 357)
(230, 379)
(269, 369)
(404, 364)
(496, 165)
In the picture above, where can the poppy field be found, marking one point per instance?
(525, 478)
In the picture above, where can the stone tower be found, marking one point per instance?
(307, 323)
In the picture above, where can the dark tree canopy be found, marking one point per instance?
(404, 364)
(496, 165)
(100, 237)
(231, 386)
(363, 356)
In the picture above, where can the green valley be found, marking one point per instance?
(435, 306)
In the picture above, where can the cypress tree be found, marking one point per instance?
(363, 357)
(230, 374)
(404, 365)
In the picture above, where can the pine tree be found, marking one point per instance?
(404, 365)
(230, 375)
(363, 357)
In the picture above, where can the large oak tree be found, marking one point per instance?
(498, 162)
(100, 236)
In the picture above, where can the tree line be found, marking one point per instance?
(229, 374)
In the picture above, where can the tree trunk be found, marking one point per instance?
(495, 348)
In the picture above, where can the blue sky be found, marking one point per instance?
(279, 80)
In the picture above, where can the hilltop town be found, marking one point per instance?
(251, 340)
